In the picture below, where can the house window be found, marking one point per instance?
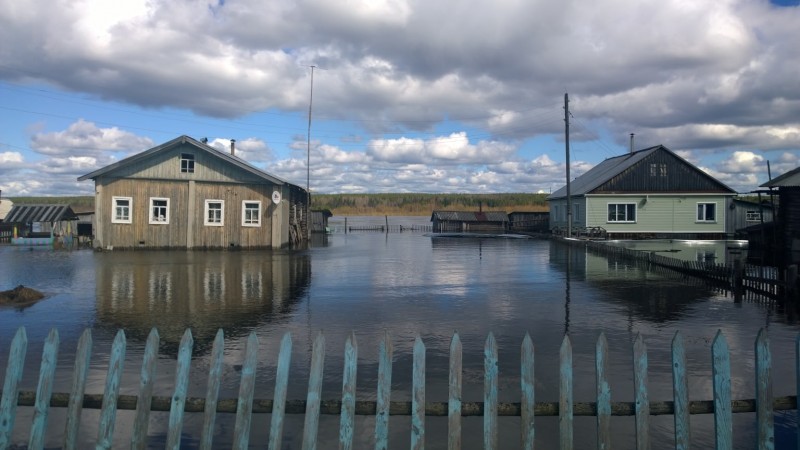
(251, 213)
(622, 212)
(752, 216)
(187, 163)
(214, 213)
(658, 169)
(122, 209)
(159, 210)
(706, 212)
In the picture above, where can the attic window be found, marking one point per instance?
(658, 170)
(187, 163)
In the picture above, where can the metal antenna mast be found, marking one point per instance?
(308, 157)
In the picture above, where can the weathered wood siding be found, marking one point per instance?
(661, 172)
(658, 213)
(232, 233)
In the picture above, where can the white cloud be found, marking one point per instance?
(86, 138)
(10, 157)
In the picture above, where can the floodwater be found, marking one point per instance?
(403, 284)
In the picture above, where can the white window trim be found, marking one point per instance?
(221, 217)
(114, 218)
(244, 211)
(635, 212)
(153, 220)
(716, 212)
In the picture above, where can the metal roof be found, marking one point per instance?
(40, 213)
(789, 179)
(468, 216)
(236, 161)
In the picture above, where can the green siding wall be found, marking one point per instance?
(658, 214)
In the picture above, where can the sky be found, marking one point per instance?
(448, 96)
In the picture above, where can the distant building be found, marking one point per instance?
(787, 242)
(650, 193)
(186, 194)
(469, 222)
(5, 207)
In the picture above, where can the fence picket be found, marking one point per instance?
(454, 402)
(44, 390)
(83, 356)
(722, 392)
(8, 403)
(490, 393)
(764, 414)
(418, 396)
(281, 385)
(143, 402)
(314, 396)
(212, 392)
(527, 387)
(565, 395)
(382, 406)
(181, 388)
(244, 406)
(108, 413)
(640, 392)
(603, 394)
(347, 422)
(680, 393)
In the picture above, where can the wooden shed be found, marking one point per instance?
(787, 232)
(531, 221)
(186, 194)
(42, 224)
(469, 222)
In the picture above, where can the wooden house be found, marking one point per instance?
(186, 194)
(787, 232)
(650, 193)
(469, 222)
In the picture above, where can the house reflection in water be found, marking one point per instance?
(204, 291)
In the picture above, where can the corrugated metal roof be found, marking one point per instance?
(40, 213)
(468, 216)
(789, 179)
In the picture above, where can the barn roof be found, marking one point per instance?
(789, 179)
(40, 213)
(470, 216)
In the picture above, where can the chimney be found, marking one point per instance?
(233, 147)
(631, 143)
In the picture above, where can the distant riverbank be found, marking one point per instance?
(373, 204)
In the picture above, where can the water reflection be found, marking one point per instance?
(236, 291)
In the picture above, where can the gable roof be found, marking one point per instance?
(611, 167)
(234, 160)
(789, 179)
(40, 213)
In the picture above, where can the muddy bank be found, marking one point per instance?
(20, 295)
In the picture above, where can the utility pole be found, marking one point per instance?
(566, 140)
(308, 158)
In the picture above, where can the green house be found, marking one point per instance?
(650, 193)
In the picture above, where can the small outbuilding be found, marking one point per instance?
(469, 222)
(42, 224)
(787, 241)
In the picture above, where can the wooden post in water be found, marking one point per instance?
(791, 282)
(345, 225)
(387, 224)
(738, 280)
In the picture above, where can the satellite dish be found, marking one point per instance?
(276, 197)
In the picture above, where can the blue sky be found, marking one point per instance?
(409, 95)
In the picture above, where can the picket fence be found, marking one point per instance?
(722, 406)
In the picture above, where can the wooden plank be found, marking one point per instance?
(212, 391)
(565, 419)
(527, 387)
(347, 422)
(147, 379)
(108, 413)
(244, 406)
(8, 403)
(44, 390)
(764, 414)
(83, 356)
(640, 393)
(797, 382)
(281, 385)
(181, 388)
(723, 420)
(418, 396)
(603, 394)
(454, 393)
(383, 404)
(490, 393)
(680, 393)
(314, 397)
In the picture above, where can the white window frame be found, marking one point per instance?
(249, 222)
(114, 217)
(160, 220)
(752, 216)
(702, 212)
(626, 205)
(188, 158)
(207, 219)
